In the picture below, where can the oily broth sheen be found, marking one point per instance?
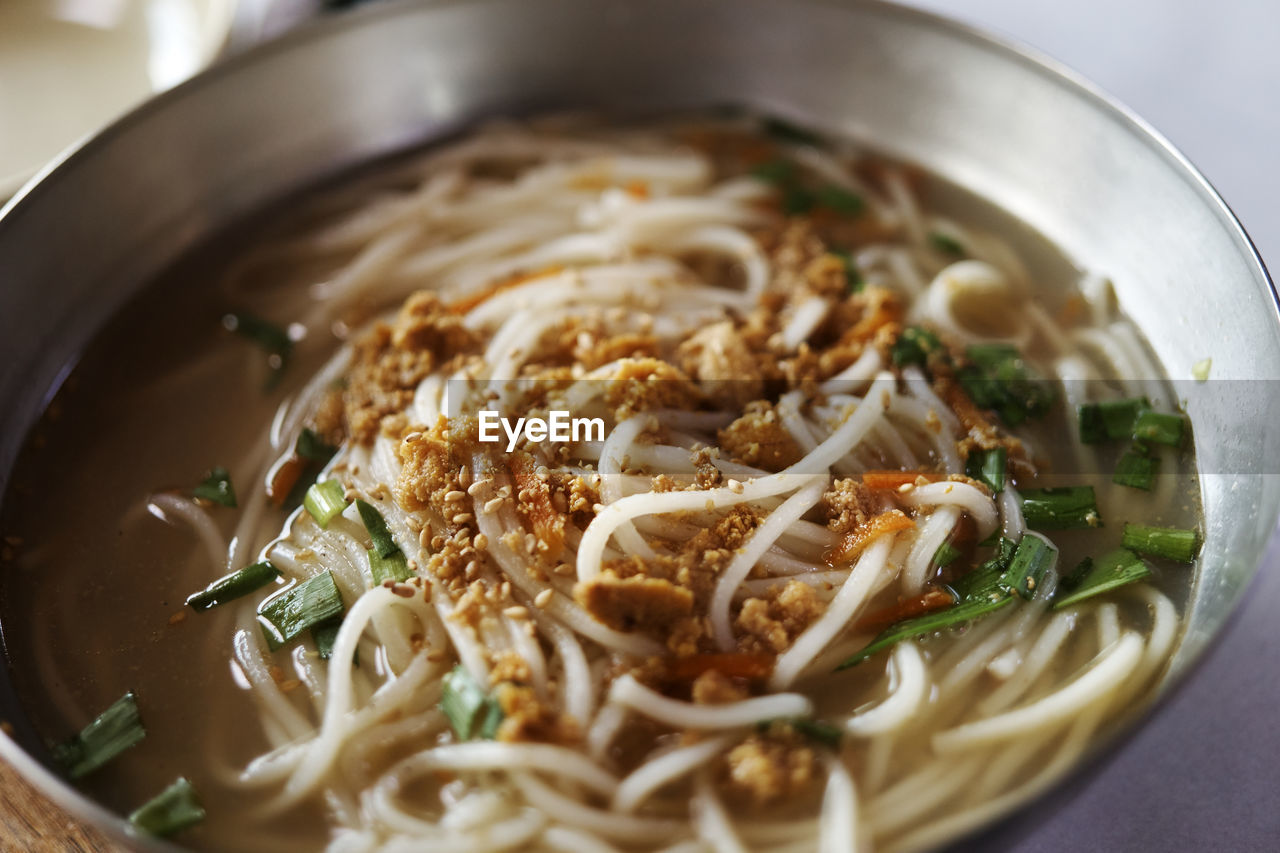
(162, 395)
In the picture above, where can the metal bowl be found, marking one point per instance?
(1007, 125)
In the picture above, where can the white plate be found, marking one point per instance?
(67, 67)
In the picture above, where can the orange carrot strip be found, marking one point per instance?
(926, 602)
(856, 540)
(466, 303)
(283, 478)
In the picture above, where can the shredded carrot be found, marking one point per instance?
(466, 303)
(732, 664)
(894, 480)
(535, 502)
(859, 538)
(926, 602)
(283, 478)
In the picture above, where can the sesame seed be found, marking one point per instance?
(481, 542)
(462, 518)
(454, 495)
(475, 488)
(735, 487)
(516, 612)
(543, 598)
(493, 504)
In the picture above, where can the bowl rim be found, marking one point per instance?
(83, 808)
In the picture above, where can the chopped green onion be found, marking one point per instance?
(377, 527)
(819, 731)
(914, 346)
(852, 277)
(1136, 469)
(216, 488)
(1029, 563)
(1110, 420)
(304, 606)
(1114, 570)
(309, 446)
(172, 810)
(324, 501)
(966, 611)
(393, 567)
(945, 555)
(492, 720)
(989, 576)
(1173, 543)
(463, 702)
(1067, 508)
(775, 171)
(999, 379)
(797, 200)
(111, 733)
(840, 200)
(233, 586)
(984, 590)
(324, 636)
(785, 131)
(946, 243)
(271, 338)
(988, 466)
(1076, 576)
(1160, 428)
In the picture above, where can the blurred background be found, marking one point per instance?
(1203, 774)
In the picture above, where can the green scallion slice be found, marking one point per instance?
(1029, 563)
(377, 527)
(1173, 543)
(914, 346)
(390, 568)
(1136, 469)
(325, 635)
(273, 340)
(111, 733)
(945, 555)
(778, 171)
(1067, 508)
(1160, 428)
(852, 277)
(1113, 570)
(840, 200)
(988, 577)
(304, 606)
(819, 730)
(785, 131)
(171, 811)
(797, 200)
(999, 379)
(988, 466)
(464, 703)
(216, 488)
(965, 611)
(324, 501)
(311, 447)
(946, 243)
(1110, 420)
(233, 586)
(1076, 576)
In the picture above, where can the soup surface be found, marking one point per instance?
(885, 523)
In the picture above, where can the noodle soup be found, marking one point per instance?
(883, 527)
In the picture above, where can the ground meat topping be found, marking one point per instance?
(766, 768)
(391, 360)
(771, 624)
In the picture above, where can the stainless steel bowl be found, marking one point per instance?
(1005, 124)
